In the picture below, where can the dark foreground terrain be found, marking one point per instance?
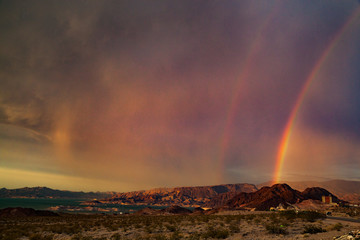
(231, 225)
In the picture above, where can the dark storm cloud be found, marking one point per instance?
(335, 106)
(338, 110)
(152, 82)
(53, 51)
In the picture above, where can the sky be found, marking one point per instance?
(129, 95)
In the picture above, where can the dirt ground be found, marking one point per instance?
(237, 225)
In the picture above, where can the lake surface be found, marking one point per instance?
(70, 205)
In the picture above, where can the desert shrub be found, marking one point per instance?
(337, 227)
(194, 236)
(205, 218)
(137, 226)
(312, 229)
(352, 212)
(289, 215)
(116, 236)
(97, 223)
(35, 236)
(56, 228)
(273, 218)
(102, 238)
(276, 229)
(219, 233)
(159, 236)
(176, 236)
(112, 227)
(38, 236)
(171, 228)
(12, 233)
(234, 227)
(250, 217)
(228, 219)
(149, 229)
(311, 216)
(87, 238)
(257, 220)
(77, 237)
(85, 226)
(71, 229)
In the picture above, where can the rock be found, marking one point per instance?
(351, 235)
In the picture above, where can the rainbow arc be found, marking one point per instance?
(285, 139)
(244, 74)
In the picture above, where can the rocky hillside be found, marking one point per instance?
(183, 196)
(44, 192)
(346, 190)
(268, 197)
(220, 199)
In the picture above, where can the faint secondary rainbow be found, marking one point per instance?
(284, 143)
(246, 69)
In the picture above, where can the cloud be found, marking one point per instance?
(321, 154)
(139, 90)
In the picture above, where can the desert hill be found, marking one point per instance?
(44, 192)
(346, 190)
(174, 209)
(316, 193)
(183, 196)
(268, 197)
(25, 212)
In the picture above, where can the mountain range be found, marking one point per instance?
(206, 196)
(184, 196)
(267, 197)
(44, 192)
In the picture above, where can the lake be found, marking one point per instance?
(69, 205)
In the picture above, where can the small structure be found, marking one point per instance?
(281, 207)
(327, 199)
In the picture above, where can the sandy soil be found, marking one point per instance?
(229, 225)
